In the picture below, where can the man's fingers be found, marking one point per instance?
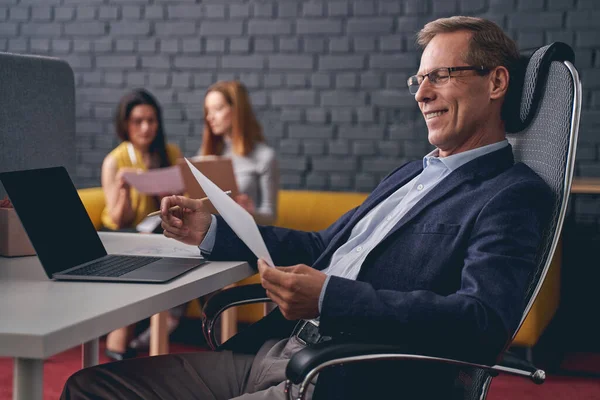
(272, 275)
(174, 230)
(172, 236)
(181, 201)
(272, 287)
(263, 266)
(276, 298)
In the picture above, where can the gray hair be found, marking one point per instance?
(489, 46)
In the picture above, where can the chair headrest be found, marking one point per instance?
(527, 82)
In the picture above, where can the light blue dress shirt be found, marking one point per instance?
(373, 227)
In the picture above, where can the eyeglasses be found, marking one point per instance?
(439, 76)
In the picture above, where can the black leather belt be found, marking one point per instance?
(307, 332)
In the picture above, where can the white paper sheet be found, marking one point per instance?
(157, 181)
(240, 221)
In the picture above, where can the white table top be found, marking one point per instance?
(40, 317)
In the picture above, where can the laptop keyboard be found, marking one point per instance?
(113, 266)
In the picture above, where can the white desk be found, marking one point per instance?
(40, 317)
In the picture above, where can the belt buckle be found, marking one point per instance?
(309, 333)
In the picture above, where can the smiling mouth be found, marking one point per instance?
(434, 114)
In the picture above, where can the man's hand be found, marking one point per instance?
(188, 224)
(295, 289)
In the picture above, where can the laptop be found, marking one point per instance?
(64, 237)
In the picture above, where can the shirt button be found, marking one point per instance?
(420, 187)
(359, 249)
(388, 218)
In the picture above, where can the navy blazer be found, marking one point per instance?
(449, 279)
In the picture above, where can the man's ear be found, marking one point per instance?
(499, 79)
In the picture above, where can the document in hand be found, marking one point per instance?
(236, 217)
(156, 181)
(218, 169)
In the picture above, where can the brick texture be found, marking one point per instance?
(327, 77)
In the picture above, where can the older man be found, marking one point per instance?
(436, 259)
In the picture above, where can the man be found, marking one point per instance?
(436, 259)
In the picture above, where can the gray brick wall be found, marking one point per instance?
(327, 78)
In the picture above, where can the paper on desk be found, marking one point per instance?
(236, 217)
(156, 181)
(177, 250)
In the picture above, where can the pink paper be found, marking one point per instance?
(157, 181)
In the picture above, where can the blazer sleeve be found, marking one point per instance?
(286, 246)
(500, 255)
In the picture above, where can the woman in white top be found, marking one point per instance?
(232, 130)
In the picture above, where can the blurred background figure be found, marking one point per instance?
(232, 130)
(139, 125)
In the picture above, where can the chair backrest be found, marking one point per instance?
(546, 140)
(542, 113)
(37, 113)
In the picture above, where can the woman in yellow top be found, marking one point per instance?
(138, 123)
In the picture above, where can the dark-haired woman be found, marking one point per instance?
(138, 123)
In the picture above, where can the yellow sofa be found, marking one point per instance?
(313, 210)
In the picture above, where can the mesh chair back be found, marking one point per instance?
(542, 121)
(550, 107)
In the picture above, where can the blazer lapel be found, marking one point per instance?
(387, 187)
(479, 168)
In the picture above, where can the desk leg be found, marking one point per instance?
(28, 379)
(159, 337)
(89, 353)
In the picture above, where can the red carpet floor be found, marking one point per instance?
(58, 368)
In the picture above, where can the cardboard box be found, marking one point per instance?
(13, 239)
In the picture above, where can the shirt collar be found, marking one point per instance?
(457, 160)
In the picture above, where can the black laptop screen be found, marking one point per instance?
(54, 217)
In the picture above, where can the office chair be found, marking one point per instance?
(543, 105)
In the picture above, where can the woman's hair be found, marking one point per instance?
(245, 130)
(489, 46)
(127, 103)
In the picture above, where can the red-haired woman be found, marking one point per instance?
(232, 130)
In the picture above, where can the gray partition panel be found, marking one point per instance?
(37, 113)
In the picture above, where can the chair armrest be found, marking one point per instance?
(308, 362)
(227, 298)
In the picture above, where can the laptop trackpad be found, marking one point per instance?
(163, 270)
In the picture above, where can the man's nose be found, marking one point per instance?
(425, 92)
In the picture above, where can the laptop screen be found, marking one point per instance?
(54, 217)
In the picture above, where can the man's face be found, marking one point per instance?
(456, 112)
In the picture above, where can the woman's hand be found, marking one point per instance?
(120, 180)
(117, 192)
(246, 202)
